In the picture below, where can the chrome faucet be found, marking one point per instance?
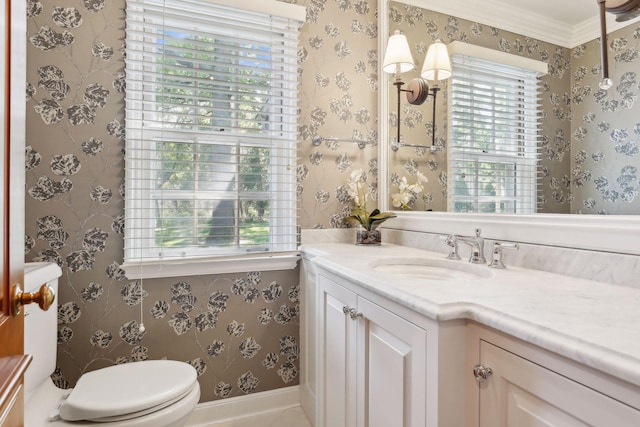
(477, 247)
(496, 262)
(452, 241)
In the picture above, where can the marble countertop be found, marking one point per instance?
(594, 323)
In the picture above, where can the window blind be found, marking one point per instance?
(211, 113)
(494, 128)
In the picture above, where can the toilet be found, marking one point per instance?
(153, 393)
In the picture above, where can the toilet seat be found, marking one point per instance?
(48, 397)
(128, 416)
(148, 386)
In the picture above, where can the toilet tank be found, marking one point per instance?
(40, 327)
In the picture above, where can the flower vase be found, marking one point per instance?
(366, 237)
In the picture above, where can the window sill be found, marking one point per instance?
(204, 266)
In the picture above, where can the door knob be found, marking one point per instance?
(44, 297)
(481, 373)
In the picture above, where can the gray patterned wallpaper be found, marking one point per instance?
(338, 99)
(239, 330)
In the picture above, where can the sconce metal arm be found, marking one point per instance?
(419, 93)
(434, 93)
(398, 84)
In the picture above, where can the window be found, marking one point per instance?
(211, 105)
(494, 125)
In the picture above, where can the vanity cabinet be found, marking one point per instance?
(381, 364)
(372, 363)
(528, 386)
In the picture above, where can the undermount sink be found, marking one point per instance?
(431, 269)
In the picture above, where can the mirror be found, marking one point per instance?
(590, 139)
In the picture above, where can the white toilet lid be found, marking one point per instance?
(127, 388)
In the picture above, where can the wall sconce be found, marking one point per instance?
(436, 67)
(398, 60)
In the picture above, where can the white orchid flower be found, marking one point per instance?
(357, 175)
(399, 199)
(403, 185)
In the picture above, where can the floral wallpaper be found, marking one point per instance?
(605, 131)
(338, 100)
(408, 165)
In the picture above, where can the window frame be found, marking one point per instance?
(280, 253)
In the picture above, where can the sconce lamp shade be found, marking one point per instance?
(397, 58)
(437, 65)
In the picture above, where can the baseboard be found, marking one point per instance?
(244, 406)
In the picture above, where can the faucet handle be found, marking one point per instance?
(452, 241)
(496, 261)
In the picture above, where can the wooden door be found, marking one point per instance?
(13, 362)
(522, 393)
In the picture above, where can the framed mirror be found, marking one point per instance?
(589, 162)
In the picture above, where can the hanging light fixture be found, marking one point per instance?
(624, 10)
(606, 82)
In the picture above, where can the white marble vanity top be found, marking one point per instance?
(596, 324)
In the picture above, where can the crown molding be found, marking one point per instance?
(501, 14)
(590, 29)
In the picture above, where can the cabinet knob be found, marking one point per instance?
(345, 309)
(481, 373)
(354, 314)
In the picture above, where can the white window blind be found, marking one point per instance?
(494, 128)
(211, 112)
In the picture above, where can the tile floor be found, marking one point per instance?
(291, 417)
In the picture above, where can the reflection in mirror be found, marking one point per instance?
(494, 131)
(588, 142)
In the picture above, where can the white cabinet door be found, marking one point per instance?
(337, 361)
(372, 363)
(392, 365)
(521, 393)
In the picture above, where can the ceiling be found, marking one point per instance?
(571, 12)
(567, 23)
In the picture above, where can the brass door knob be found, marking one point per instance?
(44, 297)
